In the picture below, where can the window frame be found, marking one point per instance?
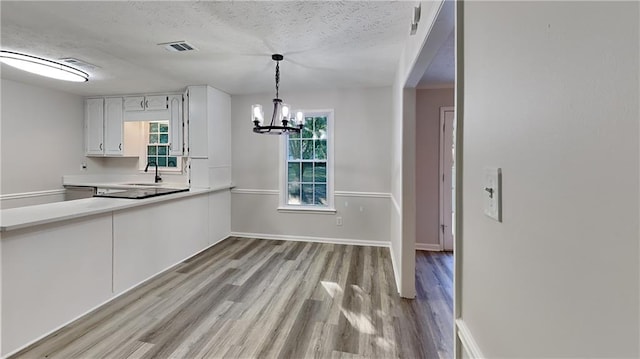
(284, 161)
(144, 143)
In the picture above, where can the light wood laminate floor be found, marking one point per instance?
(250, 298)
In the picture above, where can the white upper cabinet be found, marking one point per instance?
(94, 126)
(113, 124)
(176, 125)
(134, 103)
(156, 102)
(103, 127)
(146, 103)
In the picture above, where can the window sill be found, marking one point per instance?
(307, 210)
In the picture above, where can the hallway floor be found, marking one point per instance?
(250, 298)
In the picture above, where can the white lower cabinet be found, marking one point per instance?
(150, 239)
(52, 274)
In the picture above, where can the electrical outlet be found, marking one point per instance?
(338, 221)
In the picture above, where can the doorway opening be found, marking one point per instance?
(447, 178)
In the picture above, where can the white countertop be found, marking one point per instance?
(23, 217)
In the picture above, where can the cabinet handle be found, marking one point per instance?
(142, 104)
(120, 147)
(101, 147)
(146, 103)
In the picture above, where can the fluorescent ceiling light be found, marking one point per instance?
(43, 67)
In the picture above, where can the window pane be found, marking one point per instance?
(307, 130)
(307, 194)
(153, 127)
(294, 135)
(294, 172)
(164, 138)
(164, 127)
(320, 172)
(307, 149)
(172, 162)
(151, 150)
(320, 127)
(153, 138)
(162, 150)
(320, 195)
(294, 149)
(162, 161)
(151, 160)
(307, 171)
(294, 193)
(321, 149)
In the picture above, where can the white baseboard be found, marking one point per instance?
(428, 247)
(281, 237)
(467, 342)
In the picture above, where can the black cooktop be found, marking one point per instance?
(140, 193)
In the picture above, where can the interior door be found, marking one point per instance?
(447, 178)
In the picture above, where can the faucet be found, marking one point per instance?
(146, 169)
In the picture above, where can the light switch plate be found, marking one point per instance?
(492, 193)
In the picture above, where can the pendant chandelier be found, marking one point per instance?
(282, 120)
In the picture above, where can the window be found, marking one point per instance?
(158, 145)
(308, 169)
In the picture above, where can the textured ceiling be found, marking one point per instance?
(325, 44)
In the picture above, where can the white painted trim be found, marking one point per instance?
(396, 271)
(441, 174)
(362, 194)
(52, 192)
(108, 300)
(395, 204)
(336, 193)
(428, 247)
(307, 210)
(436, 87)
(349, 241)
(330, 172)
(256, 191)
(466, 339)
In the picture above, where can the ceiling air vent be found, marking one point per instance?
(178, 46)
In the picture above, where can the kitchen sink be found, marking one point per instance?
(141, 193)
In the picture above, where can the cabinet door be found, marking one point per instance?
(134, 103)
(93, 126)
(156, 103)
(113, 126)
(175, 126)
(185, 123)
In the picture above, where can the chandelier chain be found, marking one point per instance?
(277, 79)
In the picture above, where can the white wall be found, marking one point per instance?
(551, 96)
(362, 159)
(428, 103)
(42, 137)
(402, 216)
